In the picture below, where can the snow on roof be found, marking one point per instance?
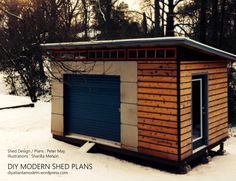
(163, 41)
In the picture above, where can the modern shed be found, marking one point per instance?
(163, 98)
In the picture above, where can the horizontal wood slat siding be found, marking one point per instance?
(217, 101)
(157, 109)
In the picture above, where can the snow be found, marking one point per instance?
(8, 101)
(3, 89)
(29, 128)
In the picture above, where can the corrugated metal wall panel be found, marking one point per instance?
(92, 104)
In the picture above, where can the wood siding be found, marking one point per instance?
(157, 108)
(217, 101)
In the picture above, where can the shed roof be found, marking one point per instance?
(164, 41)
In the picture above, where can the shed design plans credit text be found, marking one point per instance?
(159, 98)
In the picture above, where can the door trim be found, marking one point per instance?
(201, 115)
(197, 143)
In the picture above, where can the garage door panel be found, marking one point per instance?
(92, 105)
(94, 96)
(89, 123)
(99, 118)
(103, 133)
(102, 112)
(100, 101)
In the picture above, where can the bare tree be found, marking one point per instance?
(85, 19)
(157, 30)
(170, 19)
(203, 21)
(222, 22)
(214, 36)
(144, 24)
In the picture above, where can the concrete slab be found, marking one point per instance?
(129, 93)
(129, 114)
(57, 124)
(129, 71)
(57, 105)
(129, 135)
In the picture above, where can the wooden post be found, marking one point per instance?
(221, 151)
(185, 168)
(206, 158)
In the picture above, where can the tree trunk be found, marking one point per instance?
(222, 23)
(108, 30)
(53, 21)
(170, 19)
(203, 21)
(163, 19)
(157, 30)
(85, 20)
(234, 30)
(144, 25)
(214, 38)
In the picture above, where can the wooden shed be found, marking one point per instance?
(158, 98)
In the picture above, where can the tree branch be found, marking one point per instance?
(137, 12)
(11, 14)
(100, 9)
(177, 2)
(186, 33)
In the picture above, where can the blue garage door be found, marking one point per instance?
(91, 106)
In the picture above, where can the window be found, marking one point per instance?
(80, 55)
(83, 55)
(113, 54)
(117, 54)
(92, 55)
(152, 53)
(67, 55)
(99, 54)
(170, 53)
(160, 53)
(57, 55)
(141, 53)
(106, 54)
(199, 110)
(121, 54)
(132, 54)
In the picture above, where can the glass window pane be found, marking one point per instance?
(106, 54)
(68, 55)
(170, 53)
(99, 54)
(91, 54)
(83, 55)
(121, 54)
(141, 53)
(132, 54)
(196, 108)
(160, 54)
(113, 54)
(150, 53)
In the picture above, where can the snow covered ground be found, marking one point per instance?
(3, 89)
(29, 128)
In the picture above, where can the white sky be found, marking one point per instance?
(133, 4)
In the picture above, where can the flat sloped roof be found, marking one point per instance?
(163, 41)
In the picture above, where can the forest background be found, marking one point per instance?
(25, 24)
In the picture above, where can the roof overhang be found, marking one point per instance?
(164, 41)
